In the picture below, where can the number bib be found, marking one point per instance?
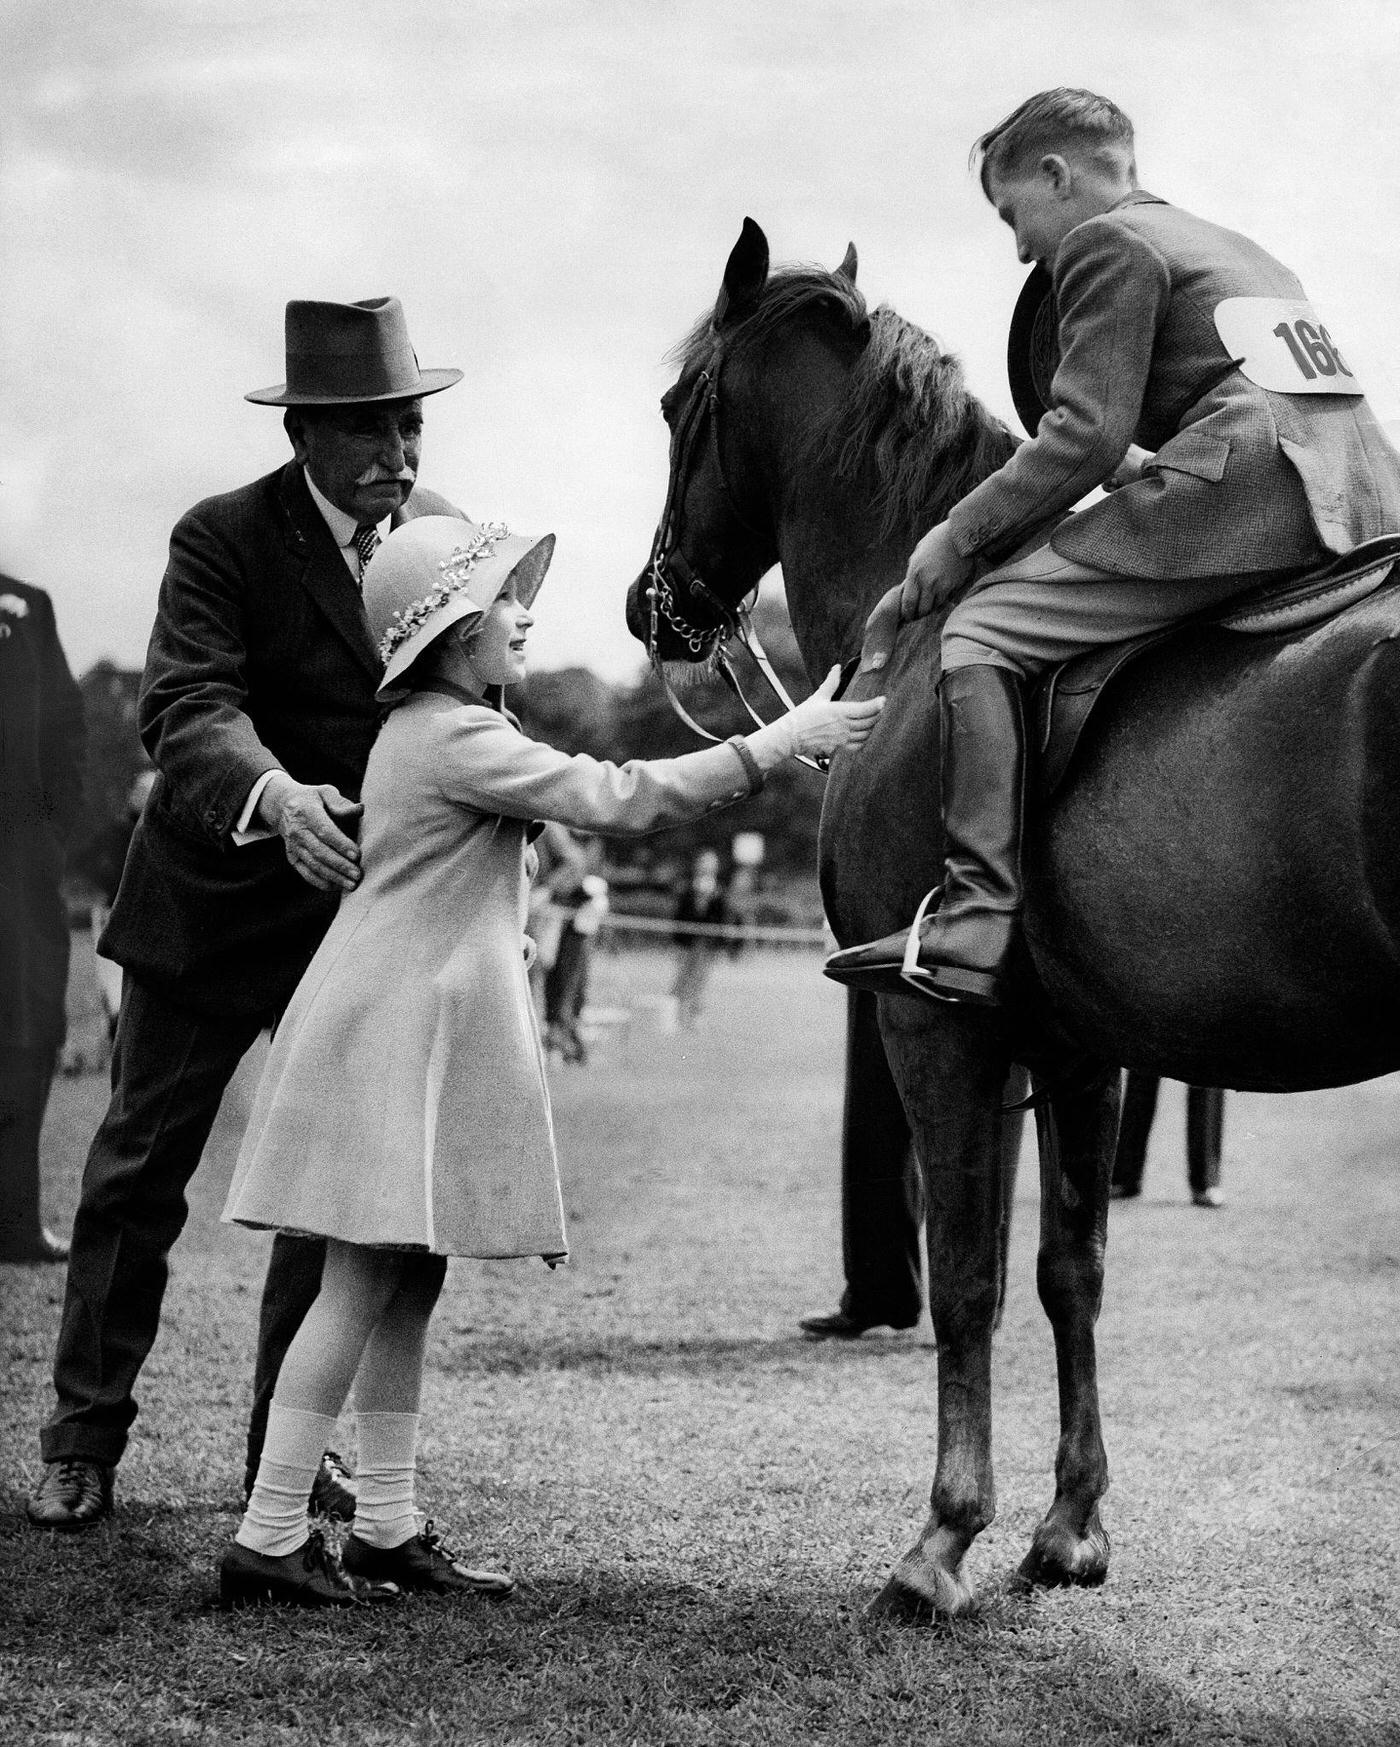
(1282, 345)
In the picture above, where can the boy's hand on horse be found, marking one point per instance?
(1128, 469)
(935, 573)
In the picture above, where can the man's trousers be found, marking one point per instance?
(170, 1068)
(882, 1186)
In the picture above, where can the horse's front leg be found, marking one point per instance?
(951, 1069)
(1077, 1133)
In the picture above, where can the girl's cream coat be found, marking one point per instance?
(404, 1100)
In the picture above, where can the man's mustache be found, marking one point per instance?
(377, 476)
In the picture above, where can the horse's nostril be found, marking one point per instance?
(632, 613)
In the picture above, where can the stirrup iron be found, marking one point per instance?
(910, 970)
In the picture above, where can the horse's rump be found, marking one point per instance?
(1227, 791)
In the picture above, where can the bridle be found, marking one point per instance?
(670, 572)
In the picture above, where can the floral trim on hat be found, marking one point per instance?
(456, 569)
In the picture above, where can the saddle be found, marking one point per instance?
(1065, 698)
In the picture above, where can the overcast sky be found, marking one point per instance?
(552, 186)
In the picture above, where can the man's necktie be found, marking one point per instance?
(366, 544)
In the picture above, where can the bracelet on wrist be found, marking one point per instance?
(752, 769)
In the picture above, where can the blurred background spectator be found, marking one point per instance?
(1205, 1136)
(581, 907)
(99, 863)
(702, 899)
(563, 861)
(41, 764)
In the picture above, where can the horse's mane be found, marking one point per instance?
(909, 422)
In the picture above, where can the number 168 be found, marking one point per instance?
(1312, 349)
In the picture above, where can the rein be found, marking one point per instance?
(668, 561)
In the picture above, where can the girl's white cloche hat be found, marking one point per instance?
(434, 571)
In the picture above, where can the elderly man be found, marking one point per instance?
(257, 708)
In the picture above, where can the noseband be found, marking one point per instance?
(670, 571)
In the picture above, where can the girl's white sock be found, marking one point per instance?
(275, 1520)
(386, 1456)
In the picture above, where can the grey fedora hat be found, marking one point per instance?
(340, 353)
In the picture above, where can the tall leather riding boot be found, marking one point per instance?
(963, 946)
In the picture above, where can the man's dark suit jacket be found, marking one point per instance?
(260, 656)
(41, 754)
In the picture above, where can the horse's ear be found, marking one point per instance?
(847, 269)
(745, 273)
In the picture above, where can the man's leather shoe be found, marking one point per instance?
(310, 1577)
(1124, 1191)
(73, 1494)
(840, 1325)
(333, 1490)
(43, 1248)
(422, 1562)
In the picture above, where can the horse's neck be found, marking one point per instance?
(835, 567)
(837, 559)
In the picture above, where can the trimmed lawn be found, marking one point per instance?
(697, 1502)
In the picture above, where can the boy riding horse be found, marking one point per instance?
(1176, 335)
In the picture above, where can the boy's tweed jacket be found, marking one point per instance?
(1243, 479)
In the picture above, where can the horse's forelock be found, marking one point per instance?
(788, 291)
(909, 416)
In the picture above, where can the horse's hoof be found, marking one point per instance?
(1058, 1557)
(919, 1597)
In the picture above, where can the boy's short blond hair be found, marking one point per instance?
(1064, 120)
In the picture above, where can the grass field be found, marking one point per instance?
(697, 1503)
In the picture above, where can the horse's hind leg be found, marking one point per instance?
(951, 1071)
(1077, 1132)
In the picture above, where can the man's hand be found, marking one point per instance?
(935, 573)
(308, 818)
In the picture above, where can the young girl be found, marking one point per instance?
(403, 1114)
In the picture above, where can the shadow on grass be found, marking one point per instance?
(485, 1355)
(601, 1654)
(1373, 1395)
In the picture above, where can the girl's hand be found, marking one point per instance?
(820, 727)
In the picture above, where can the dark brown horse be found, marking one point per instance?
(1213, 896)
